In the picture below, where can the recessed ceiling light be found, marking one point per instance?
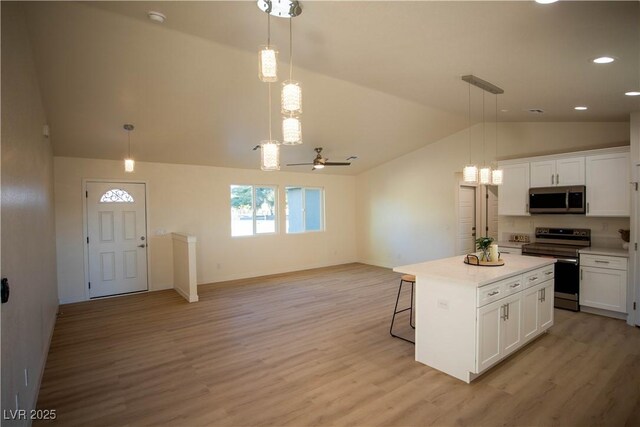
(504, 110)
(632, 93)
(156, 16)
(546, 1)
(603, 60)
(580, 108)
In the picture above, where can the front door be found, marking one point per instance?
(117, 238)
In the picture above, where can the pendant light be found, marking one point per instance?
(268, 57)
(470, 172)
(129, 163)
(485, 171)
(291, 102)
(496, 174)
(269, 149)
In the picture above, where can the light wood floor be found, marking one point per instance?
(313, 348)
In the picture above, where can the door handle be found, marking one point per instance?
(142, 246)
(557, 179)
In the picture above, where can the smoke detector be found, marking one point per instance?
(156, 16)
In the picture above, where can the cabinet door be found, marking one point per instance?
(514, 192)
(543, 174)
(607, 181)
(512, 325)
(530, 312)
(489, 333)
(603, 288)
(545, 305)
(570, 171)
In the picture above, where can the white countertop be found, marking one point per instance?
(594, 250)
(455, 270)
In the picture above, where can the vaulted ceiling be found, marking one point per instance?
(379, 79)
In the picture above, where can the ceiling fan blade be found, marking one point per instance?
(337, 164)
(299, 164)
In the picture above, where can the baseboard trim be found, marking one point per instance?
(186, 296)
(44, 361)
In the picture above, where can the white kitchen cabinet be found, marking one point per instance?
(537, 307)
(514, 192)
(603, 282)
(550, 173)
(607, 181)
(509, 250)
(499, 330)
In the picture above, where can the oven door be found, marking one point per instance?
(567, 283)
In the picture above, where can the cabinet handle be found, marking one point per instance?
(587, 207)
(557, 179)
(548, 273)
(580, 274)
(504, 316)
(601, 262)
(541, 295)
(544, 294)
(515, 285)
(493, 293)
(507, 307)
(532, 278)
(552, 179)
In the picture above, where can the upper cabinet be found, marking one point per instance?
(608, 189)
(551, 173)
(514, 193)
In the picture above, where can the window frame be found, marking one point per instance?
(254, 226)
(323, 224)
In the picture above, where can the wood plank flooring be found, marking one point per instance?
(313, 348)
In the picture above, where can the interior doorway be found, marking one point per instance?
(116, 238)
(477, 214)
(467, 219)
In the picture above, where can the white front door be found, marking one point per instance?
(117, 238)
(466, 219)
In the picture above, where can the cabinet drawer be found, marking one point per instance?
(499, 290)
(604, 261)
(538, 275)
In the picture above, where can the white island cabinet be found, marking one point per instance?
(469, 318)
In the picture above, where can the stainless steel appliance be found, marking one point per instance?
(562, 244)
(557, 200)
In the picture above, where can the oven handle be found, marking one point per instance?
(567, 260)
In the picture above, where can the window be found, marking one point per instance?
(305, 209)
(253, 210)
(116, 195)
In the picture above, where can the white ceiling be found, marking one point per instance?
(379, 79)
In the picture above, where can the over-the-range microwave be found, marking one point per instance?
(558, 200)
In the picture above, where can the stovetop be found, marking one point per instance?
(558, 242)
(552, 249)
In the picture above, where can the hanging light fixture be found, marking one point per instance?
(268, 56)
(496, 174)
(269, 149)
(470, 172)
(485, 171)
(129, 163)
(291, 102)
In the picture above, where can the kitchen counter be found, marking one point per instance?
(508, 244)
(469, 318)
(454, 269)
(605, 251)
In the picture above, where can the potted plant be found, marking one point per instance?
(483, 243)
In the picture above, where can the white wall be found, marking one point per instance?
(28, 228)
(407, 208)
(195, 200)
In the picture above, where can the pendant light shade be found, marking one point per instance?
(129, 163)
(496, 177)
(485, 175)
(470, 174)
(291, 97)
(291, 131)
(268, 64)
(270, 155)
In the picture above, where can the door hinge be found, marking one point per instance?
(87, 240)
(635, 246)
(86, 194)
(635, 184)
(89, 285)
(634, 305)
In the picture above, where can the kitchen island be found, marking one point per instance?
(469, 318)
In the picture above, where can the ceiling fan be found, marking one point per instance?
(320, 162)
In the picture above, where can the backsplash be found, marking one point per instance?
(604, 231)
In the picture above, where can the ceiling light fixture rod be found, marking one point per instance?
(482, 84)
(290, 50)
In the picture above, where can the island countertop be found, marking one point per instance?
(454, 269)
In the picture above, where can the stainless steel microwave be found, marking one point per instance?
(558, 200)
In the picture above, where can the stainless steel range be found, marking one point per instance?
(562, 244)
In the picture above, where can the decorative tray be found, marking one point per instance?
(472, 259)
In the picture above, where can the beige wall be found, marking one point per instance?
(195, 200)
(407, 207)
(28, 231)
